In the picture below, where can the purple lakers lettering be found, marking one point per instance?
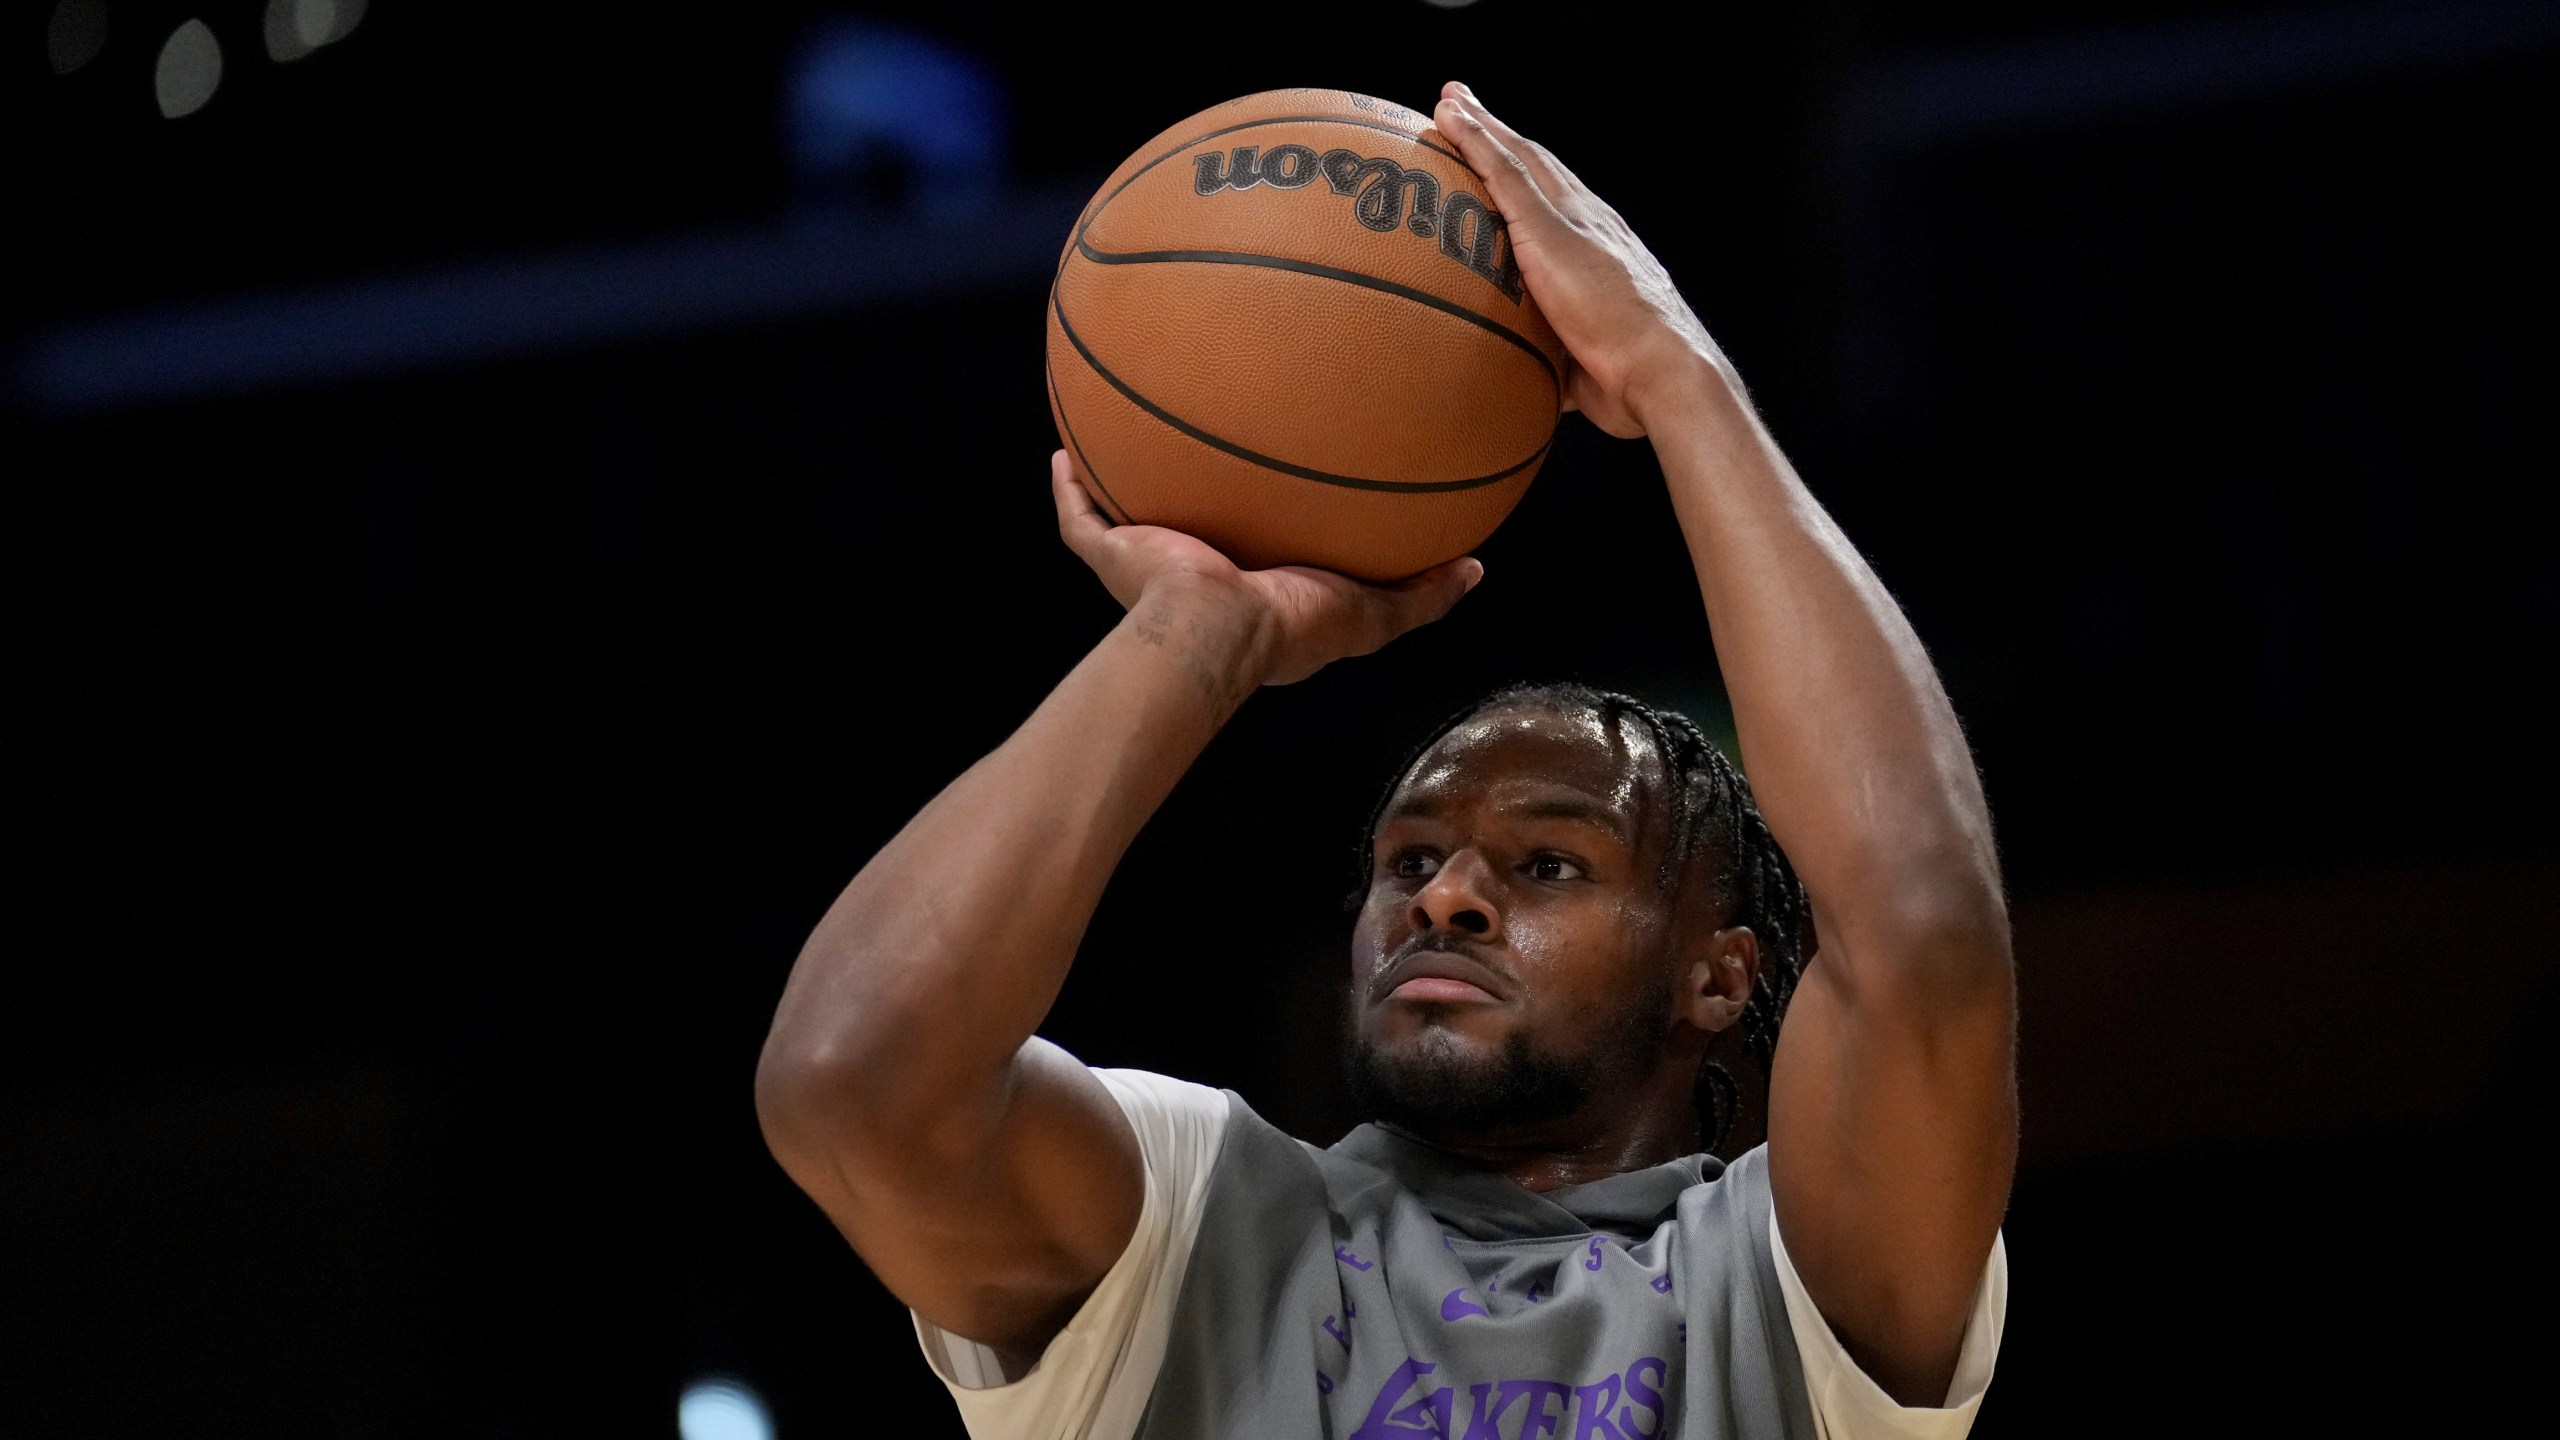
(1384, 194)
(1338, 1330)
(1626, 1405)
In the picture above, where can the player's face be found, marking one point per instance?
(1512, 952)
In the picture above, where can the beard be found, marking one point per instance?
(1431, 1084)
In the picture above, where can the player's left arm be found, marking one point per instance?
(1893, 1112)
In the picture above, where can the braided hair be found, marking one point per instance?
(1714, 819)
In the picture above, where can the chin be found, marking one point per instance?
(1406, 1024)
(1431, 1076)
(1431, 1045)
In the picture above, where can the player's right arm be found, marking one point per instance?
(987, 1177)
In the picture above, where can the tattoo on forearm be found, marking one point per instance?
(1217, 675)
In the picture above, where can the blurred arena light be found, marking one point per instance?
(675, 284)
(1922, 99)
(75, 34)
(719, 1408)
(1448, 4)
(885, 117)
(189, 71)
(295, 28)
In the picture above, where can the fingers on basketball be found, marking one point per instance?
(1293, 327)
(1519, 171)
(1080, 522)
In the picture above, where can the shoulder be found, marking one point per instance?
(1098, 1369)
(1161, 1102)
(1724, 1221)
(1852, 1404)
(1181, 1128)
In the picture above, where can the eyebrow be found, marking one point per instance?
(1586, 812)
(1415, 809)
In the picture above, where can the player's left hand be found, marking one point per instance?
(1609, 299)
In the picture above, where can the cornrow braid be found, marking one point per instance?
(1714, 818)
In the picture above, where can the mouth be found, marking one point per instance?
(1439, 977)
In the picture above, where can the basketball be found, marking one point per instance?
(1291, 326)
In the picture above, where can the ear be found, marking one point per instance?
(1719, 978)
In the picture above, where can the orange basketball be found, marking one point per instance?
(1291, 325)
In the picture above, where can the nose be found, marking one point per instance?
(1462, 898)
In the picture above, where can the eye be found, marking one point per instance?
(1554, 867)
(1413, 865)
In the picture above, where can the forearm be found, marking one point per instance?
(1892, 1121)
(1847, 735)
(944, 954)
(991, 1180)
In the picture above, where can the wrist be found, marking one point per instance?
(1223, 632)
(1679, 375)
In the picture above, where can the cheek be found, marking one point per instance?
(1374, 927)
(1570, 920)
(1586, 951)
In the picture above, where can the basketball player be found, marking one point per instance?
(1573, 900)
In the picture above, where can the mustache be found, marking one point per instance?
(1436, 943)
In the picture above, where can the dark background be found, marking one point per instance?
(493, 541)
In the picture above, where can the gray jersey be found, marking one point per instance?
(1382, 1290)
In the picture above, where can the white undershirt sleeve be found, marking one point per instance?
(1847, 1405)
(1093, 1381)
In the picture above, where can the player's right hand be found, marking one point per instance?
(1287, 622)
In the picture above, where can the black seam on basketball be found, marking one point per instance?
(1325, 272)
(1095, 212)
(1058, 307)
(1112, 507)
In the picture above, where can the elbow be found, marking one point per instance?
(803, 1092)
(827, 1099)
(825, 1112)
(827, 1056)
(827, 1071)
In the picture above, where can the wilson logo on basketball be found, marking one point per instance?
(1386, 195)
